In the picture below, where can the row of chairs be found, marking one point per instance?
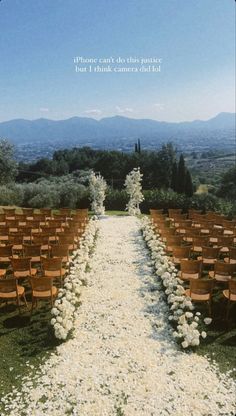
(41, 258)
(194, 254)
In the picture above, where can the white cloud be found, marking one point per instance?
(44, 110)
(124, 110)
(93, 112)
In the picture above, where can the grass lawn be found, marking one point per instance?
(24, 343)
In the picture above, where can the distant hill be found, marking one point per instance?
(112, 130)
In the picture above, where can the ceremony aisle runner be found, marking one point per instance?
(123, 359)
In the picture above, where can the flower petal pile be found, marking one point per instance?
(65, 306)
(187, 322)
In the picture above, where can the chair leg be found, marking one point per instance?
(18, 303)
(26, 304)
(209, 308)
(227, 312)
(32, 306)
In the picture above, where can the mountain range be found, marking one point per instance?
(82, 130)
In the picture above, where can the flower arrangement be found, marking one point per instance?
(134, 190)
(65, 306)
(97, 191)
(187, 323)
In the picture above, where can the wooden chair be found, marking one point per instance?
(4, 234)
(224, 242)
(201, 291)
(198, 243)
(180, 253)
(29, 212)
(53, 268)
(22, 268)
(6, 253)
(230, 294)
(171, 241)
(41, 239)
(47, 212)
(12, 224)
(209, 255)
(3, 219)
(190, 269)
(222, 271)
(232, 256)
(42, 288)
(9, 212)
(17, 241)
(33, 251)
(35, 226)
(60, 250)
(68, 239)
(10, 290)
(51, 231)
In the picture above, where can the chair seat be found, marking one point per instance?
(25, 273)
(176, 260)
(13, 294)
(45, 293)
(232, 296)
(207, 261)
(3, 272)
(198, 296)
(188, 276)
(36, 259)
(222, 277)
(56, 273)
(5, 260)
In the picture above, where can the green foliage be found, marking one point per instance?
(11, 195)
(228, 185)
(116, 200)
(8, 166)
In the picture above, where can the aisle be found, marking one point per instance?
(122, 360)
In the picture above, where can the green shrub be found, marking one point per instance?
(116, 200)
(11, 195)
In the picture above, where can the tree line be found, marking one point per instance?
(161, 169)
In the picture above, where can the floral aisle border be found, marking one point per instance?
(188, 324)
(65, 307)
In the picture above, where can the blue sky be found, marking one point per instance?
(40, 38)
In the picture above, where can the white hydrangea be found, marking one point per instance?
(180, 306)
(134, 190)
(64, 308)
(97, 191)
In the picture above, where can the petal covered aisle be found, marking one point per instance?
(123, 359)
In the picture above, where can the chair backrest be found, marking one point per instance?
(232, 287)
(51, 264)
(174, 240)
(210, 252)
(6, 251)
(41, 238)
(32, 250)
(226, 269)
(16, 238)
(2, 217)
(59, 250)
(181, 252)
(9, 211)
(4, 230)
(21, 264)
(191, 266)
(232, 253)
(66, 239)
(225, 241)
(29, 212)
(8, 285)
(41, 284)
(201, 286)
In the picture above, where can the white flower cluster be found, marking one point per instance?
(64, 309)
(134, 190)
(97, 191)
(181, 307)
